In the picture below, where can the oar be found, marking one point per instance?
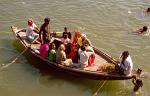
(14, 60)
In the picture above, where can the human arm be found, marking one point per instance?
(36, 29)
(63, 55)
(139, 31)
(89, 49)
(134, 81)
(40, 32)
(89, 42)
(89, 53)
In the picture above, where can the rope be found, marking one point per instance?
(7, 65)
(13, 61)
(99, 87)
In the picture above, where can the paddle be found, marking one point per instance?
(14, 60)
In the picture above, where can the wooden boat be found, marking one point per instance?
(101, 58)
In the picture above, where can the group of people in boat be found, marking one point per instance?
(75, 51)
(70, 50)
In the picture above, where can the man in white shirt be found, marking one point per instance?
(126, 65)
(84, 56)
(30, 34)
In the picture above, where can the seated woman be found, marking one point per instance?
(77, 40)
(85, 40)
(61, 56)
(44, 49)
(52, 52)
(73, 52)
(125, 66)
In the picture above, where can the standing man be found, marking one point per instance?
(45, 30)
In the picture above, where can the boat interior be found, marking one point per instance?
(100, 61)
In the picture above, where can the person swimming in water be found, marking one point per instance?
(147, 10)
(137, 84)
(142, 30)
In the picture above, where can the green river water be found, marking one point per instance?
(107, 23)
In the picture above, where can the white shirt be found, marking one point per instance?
(65, 41)
(29, 30)
(84, 56)
(127, 66)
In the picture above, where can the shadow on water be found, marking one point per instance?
(50, 77)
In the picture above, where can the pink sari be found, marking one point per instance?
(44, 50)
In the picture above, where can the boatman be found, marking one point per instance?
(45, 30)
(125, 65)
(30, 31)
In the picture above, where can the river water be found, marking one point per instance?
(107, 23)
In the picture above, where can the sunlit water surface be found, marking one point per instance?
(107, 23)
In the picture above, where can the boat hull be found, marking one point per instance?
(77, 72)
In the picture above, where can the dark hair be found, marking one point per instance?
(145, 28)
(47, 19)
(83, 48)
(148, 9)
(46, 41)
(125, 54)
(65, 36)
(139, 82)
(51, 45)
(139, 71)
(65, 28)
